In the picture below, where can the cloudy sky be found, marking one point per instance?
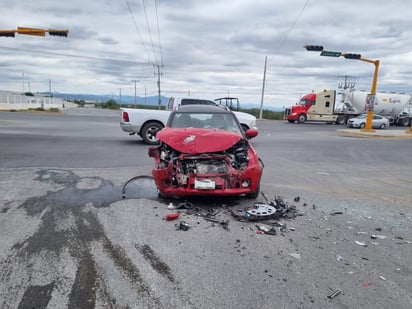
(206, 49)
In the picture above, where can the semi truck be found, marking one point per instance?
(325, 106)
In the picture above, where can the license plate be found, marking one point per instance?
(204, 184)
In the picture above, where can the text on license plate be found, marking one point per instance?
(204, 184)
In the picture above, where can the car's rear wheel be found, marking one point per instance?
(382, 126)
(149, 131)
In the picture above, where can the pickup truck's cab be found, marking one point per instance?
(146, 122)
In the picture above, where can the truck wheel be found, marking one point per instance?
(302, 118)
(149, 131)
(340, 119)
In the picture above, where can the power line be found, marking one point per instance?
(150, 32)
(137, 29)
(74, 56)
(158, 34)
(290, 29)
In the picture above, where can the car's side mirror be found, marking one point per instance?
(251, 133)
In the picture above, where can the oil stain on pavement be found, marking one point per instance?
(69, 225)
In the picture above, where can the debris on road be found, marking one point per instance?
(172, 216)
(182, 225)
(334, 294)
(360, 243)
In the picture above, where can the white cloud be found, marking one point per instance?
(208, 48)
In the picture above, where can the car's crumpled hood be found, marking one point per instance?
(195, 141)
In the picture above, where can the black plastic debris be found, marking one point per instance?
(182, 225)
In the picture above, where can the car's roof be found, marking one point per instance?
(200, 108)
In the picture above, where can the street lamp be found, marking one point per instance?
(371, 97)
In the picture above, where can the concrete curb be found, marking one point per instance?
(390, 134)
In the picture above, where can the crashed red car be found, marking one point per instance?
(204, 151)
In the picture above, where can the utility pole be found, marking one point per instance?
(263, 89)
(120, 96)
(159, 100)
(135, 81)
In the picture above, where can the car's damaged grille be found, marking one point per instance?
(204, 167)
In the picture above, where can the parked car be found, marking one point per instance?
(378, 122)
(204, 151)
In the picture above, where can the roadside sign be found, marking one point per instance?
(330, 53)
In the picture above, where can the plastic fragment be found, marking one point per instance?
(360, 243)
(170, 206)
(172, 216)
(295, 255)
(182, 225)
(333, 294)
(367, 283)
(382, 278)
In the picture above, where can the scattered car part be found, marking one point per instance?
(334, 294)
(172, 216)
(182, 225)
(131, 180)
(259, 211)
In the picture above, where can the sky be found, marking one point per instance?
(205, 49)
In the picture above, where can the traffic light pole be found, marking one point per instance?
(371, 97)
(368, 127)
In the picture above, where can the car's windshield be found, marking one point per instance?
(222, 121)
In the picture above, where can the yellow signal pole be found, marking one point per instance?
(371, 98)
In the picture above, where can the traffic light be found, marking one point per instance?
(9, 33)
(352, 56)
(313, 47)
(58, 32)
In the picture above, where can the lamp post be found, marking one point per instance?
(371, 96)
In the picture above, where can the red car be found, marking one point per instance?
(204, 151)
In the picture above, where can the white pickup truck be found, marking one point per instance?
(147, 122)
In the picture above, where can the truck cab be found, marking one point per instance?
(315, 106)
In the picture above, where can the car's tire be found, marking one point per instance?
(302, 118)
(362, 125)
(149, 131)
(382, 126)
(254, 195)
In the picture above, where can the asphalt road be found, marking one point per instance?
(70, 240)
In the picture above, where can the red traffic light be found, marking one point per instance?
(352, 56)
(313, 47)
(58, 32)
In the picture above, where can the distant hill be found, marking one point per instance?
(152, 100)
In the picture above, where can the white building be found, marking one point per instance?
(10, 100)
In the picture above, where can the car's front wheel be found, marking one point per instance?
(362, 125)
